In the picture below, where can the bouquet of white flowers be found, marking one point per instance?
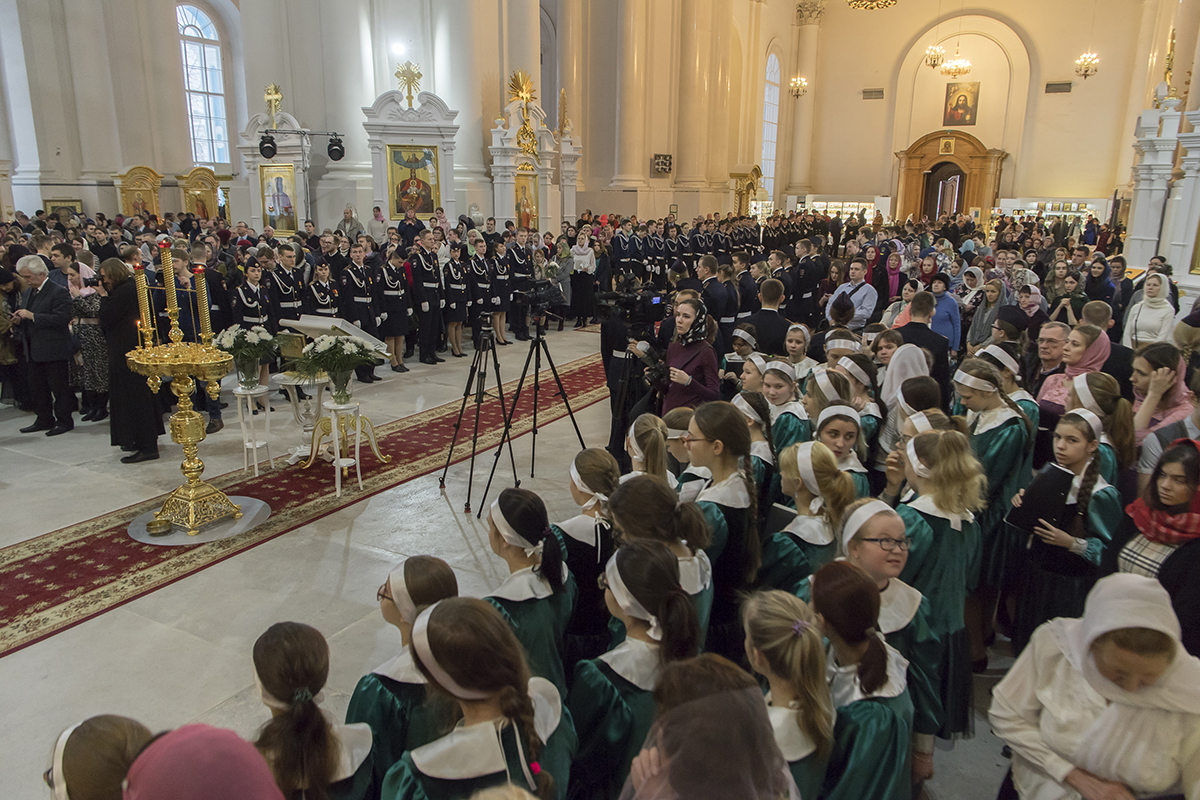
(334, 354)
(256, 343)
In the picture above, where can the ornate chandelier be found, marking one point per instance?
(799, 87)
(957, 66)
(934, 56)
(870, 5)
(1087, 65)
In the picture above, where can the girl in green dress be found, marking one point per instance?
(646, 445)
(789, 420)
(797, 352)
(539, 594)
(305, 751)
(859, 369)
(512, 728)
(1064, 555)
(757, 411)
(644, 508)
(1002, 438)
(784, 646)
(821, 492)
(691, 479)
(612, 697)
(719, 439)
(752, 381)
(825, 388)
(393, 699)
(876, 541)
(1100, 393)
(867, 679)
(589, 544)
(940, 519)
(839, 428)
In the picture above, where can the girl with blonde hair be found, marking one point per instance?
(646, 444)
(1100, 393)
(691, 479)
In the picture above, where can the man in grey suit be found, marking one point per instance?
(44, 321)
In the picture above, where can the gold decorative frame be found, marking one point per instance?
(199, 187)
(525, 200)
(414, 179)
(139, 192)
(281, 177)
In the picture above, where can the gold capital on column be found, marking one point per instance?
(810, 12)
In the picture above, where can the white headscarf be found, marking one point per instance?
(907, 362)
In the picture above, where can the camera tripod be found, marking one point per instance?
(478, 377)
(537, 346)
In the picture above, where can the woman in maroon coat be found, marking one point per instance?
(694, 376)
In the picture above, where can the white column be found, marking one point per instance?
(569, 23)
(95, 104)
(27, 194)
(632, 166)
(459, 73)
(691, 148)
(1187, 212)
(1158, 131)
(524, 39)
(718, 104)
(808, 19)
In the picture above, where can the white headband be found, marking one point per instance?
(860, 517)
(742, 405)
(842, 343)
(804, 464)
(508, 534)
(271, 701)
(786, 368)
(60, 778)
(759, 362)
(904, 406)
(676, 433)
(826, 386)
(628, 603)
(738, 333)
(860, 375)
(633, 445)
(967, 379)
(400, 596)
(802, 328)
(1084, 393)
(1091, 419)
(919, 468)
(920, 422)
(596, 498)
(420, 642)
(838, 410)
(869, 338)
(1004, 358)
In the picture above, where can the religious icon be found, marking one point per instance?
(1056, 206)
(278, 189)
(526, 200)
(946, 147)
(962, 103)
(413, 178)
(138, 203)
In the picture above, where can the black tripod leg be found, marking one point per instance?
(476, 363)
(504, 411)
(562, 391)
(507, 428)
(480, 392)
(538, 344)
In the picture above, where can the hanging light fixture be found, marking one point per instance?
(799, 87)
(1088, 64)
(957, 66)
(935, 54)
(870, 5)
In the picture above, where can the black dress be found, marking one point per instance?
(454, 280)
(136, 419)
(393, 300)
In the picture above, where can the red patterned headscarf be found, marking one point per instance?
(1163, 527)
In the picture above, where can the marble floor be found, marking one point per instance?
(182, 653)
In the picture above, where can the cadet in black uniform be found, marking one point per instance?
(520, 268)
(479, 290)
(427, 293)
(321, 295)
(287, 285)
(454, 283)
(252, 307)
(747, 286)
(501, 290)
(358, 302)
(803, 304)
(714, 295)
(393, 303)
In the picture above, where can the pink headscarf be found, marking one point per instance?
(200, 762)
(1180, 407)
(1054, 390)
(85, 273)
(1034, 305)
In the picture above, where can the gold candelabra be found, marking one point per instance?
(195, 503)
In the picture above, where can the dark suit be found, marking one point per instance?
(1119, 307)
(1120, 366)
(918, 333)
(770, 328)
(48, 350)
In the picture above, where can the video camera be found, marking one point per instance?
(638, 308)
(540, 296)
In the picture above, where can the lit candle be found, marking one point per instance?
(202, 302)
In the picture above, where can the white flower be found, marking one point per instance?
(307, 349)
(324, 343)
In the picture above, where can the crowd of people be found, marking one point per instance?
(823, 504)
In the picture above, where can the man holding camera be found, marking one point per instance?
(44, 320)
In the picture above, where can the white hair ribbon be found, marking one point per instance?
(60, 778)
(741, 404)
(966, 379)
(842, 343)
(785, 367)
(808, 476)
(400, 596)
(420, 642)
(633, 444)
(859, 518)
(675, 433)
(509, 534)
(1084, 393)
(860, 375)
(826, 386)
(1091, 419)
(759, 363)
(628, 603)
(597, 497)
(919, 468)
(838, 410)
(1004, 358)
(738, 333)
(920, 422)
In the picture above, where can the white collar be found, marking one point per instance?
(812, 530)
(471, 751)
(763, 451)
(844, 685)
(850, 463)
(401, 669)
(355, 741)
(582, 528)
(804, 368)
(790, 407)
(924, 503)
(630, 475)
(699, 473)
(695, 572)
(730, 492)
(791, 739)
(635, 661)
(898, 604)
(992, 418)
(871, 409)
(1021, 394)
(1077, 484)
(525, 585)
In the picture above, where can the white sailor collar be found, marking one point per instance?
(871, 409)
(582, 528)
(811, 530)
(924, 503)
(695, 572)
(355, 745)
(635, 661)
(471, 751)
(696, 473)
(401, 669)
(630, 475)
(1077, 484)
(844, 685)
(898, 604)
(730, 492)
(794, 744)
(525, 585)
(984, 421)
(790, 407)
(804, 367)
(1021, 394)
(763, 451)
(850, 463)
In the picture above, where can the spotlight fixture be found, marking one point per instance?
(799, 87)
(266, 146)
(934, 56)
(1087, 65)
(336, 150)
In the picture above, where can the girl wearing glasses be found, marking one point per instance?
(393, 699)
(940, 519)
(612, 697)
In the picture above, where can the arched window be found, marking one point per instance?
(770, 124)
(204, 84)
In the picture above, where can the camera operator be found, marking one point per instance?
(693, 377)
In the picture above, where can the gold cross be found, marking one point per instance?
(273, 97)
(409, 75)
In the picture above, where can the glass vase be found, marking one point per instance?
(339, 381)
(247, 371)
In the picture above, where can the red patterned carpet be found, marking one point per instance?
(60, 579)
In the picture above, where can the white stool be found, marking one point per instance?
(343, 417)
(250, 440)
